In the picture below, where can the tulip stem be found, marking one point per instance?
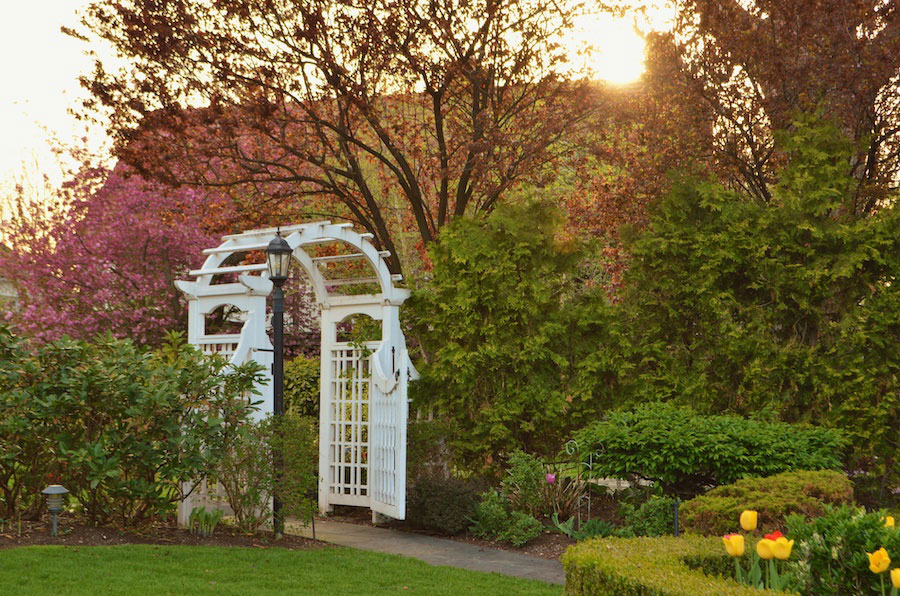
(881, 577)
(776, 581)
(738, 572)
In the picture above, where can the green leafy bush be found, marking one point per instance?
(521, 529)
(524, 483)
(25, 460)
(203, 522)
(774, 498)
(494, 520)
(592, 528)
(247, 470)
(121, 426)
(501, 324)
(686, 453)
(296, 437)
(666, 566)
(428, 448)
(831, 550)
(528, 490)
(786, 306)
(301, 386)
(654, 517)
(440, 504)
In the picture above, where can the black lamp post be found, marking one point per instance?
(278, 257)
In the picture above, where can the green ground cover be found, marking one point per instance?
(159, 570)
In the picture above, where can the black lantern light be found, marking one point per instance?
(278, 257)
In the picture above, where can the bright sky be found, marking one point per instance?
(40, 67)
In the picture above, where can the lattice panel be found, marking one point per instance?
(349, 426)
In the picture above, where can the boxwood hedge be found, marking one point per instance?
(687, 566)
(774, 498)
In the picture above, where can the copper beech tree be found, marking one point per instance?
(395, 114)
(747, 67)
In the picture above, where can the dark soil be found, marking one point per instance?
(73, 532)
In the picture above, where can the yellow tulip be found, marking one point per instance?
(879, 561)
(895, 577)
(889, 521)
(765, 548)
(782, 548)
(734, 544)
(748, 520)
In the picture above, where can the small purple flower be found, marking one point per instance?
(551, 478)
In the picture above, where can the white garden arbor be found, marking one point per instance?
(363, 392)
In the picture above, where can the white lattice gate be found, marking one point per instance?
(388, 428)
(363, 394)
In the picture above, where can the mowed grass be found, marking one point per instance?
(157, 570)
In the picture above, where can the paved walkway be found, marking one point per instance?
(432, 550)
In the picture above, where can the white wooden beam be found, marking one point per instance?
(234, 269)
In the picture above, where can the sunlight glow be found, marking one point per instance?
(41, 68)
(608, 49)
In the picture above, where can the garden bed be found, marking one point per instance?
(549, 545)
(73, 532)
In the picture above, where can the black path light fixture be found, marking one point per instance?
(278, 258)
(56, 494)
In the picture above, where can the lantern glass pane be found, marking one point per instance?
(285, 264)
(279, 264)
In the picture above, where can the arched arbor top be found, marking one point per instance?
(253, 278)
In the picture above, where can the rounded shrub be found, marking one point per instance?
(443, 505)
(687, 453)
(774, 498)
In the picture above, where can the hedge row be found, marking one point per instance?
(666, 566)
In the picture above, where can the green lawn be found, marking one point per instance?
(157, 570)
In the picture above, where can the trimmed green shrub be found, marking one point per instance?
(774, 498)
(666, 566)
(686, 453)
(442, 505)
(494, 520)
(654, 517)
(301, 386)
(831, 550)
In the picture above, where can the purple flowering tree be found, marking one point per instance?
(103, 256)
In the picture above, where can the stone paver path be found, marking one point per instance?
(433, 550)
